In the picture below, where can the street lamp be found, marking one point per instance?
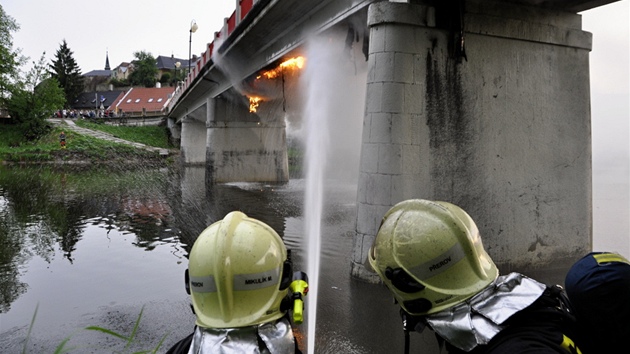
(177, 65)
(193, 29)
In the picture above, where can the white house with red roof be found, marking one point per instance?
(147, 101)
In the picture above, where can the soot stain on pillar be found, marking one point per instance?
(210, 168)
(450, 131)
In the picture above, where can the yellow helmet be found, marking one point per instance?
(238, 273)
(430, 256)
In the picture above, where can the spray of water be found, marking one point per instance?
(332, 108)
(325, 113)
(316, 142)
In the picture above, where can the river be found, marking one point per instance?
(108, 248)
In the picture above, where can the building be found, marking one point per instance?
(144, 101)
(122, 71)
(169, 65)
(96, 99)
(98, 80)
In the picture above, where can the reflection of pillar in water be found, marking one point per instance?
(193, 200)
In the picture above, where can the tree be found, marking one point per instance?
(166, 78)
(10, 60)
(65, 69)
(34, 100)
(178, 75)
(145, 70)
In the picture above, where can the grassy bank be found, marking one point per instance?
(148, 135)
(81, 148)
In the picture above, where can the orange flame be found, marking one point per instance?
(253, 103)
(291, 64)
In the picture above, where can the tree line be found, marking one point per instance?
(32, 97)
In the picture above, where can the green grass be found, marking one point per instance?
(10, 136)
(12, 143)
(149, 135)
(13, 147)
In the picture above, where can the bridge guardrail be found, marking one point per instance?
(244, 7)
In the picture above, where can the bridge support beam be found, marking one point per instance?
(242, 148)
(246, 152)
(175, 131)
(500, 127)
(193, 142)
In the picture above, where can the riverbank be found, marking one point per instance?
(85, 146)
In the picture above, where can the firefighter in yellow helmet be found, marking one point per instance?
(430, 256)
(242, 288)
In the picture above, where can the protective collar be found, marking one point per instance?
(275, 338)
(477, 320)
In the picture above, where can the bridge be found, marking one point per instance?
(482, 103)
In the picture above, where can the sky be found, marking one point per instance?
(119, 28)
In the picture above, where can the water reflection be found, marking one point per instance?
(74, 242)
(95, 247)
(45, 212)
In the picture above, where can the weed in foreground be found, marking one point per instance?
(64, 348)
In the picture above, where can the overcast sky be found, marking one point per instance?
(122, 27)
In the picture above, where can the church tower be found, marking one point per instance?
(107, 61)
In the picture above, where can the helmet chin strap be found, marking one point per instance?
(410, 323)
(187, 286)
(407, 327)
(187, 281)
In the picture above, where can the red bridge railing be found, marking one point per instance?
(230, 24)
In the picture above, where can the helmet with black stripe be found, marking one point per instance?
(238, 273)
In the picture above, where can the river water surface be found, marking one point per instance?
(107, 248)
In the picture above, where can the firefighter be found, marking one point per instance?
(598, 286)
(430, 256)
(243, 290)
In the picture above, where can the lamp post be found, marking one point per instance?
(177, 65)
(193, 29)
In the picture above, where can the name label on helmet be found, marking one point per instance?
(439, 264)
(203, 284)
(256, 280)
(252, 281)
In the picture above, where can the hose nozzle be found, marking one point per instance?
(299, 289)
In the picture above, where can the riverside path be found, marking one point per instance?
(105, 136)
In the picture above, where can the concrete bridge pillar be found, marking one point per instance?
(175, 131)
(500, 126)
(193, 141)
(240, 147)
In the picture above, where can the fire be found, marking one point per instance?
(253, 103)
(295, 63)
